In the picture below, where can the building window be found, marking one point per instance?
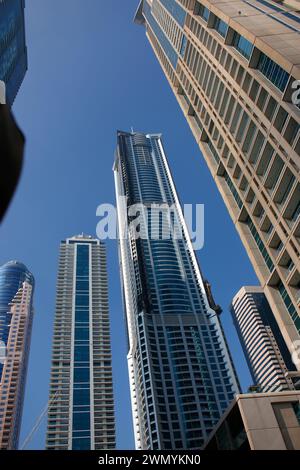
(296, 407)
(201, 10)
(242, 45)
(183, 46)
(260, 245)
(160, 35)
(213, 151)
(273, 71)
(289, 305)
(175, 10)
(233, 190)
(220, 26)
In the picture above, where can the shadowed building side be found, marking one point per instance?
(181, 373)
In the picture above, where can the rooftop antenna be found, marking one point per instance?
(132, 131)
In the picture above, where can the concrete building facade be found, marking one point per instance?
(261, 421)
(233, 66)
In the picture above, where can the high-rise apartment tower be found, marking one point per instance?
(233, 67)
(266, 353)
(16, 315)
(180, 370)
(81, 404)
(13, 52)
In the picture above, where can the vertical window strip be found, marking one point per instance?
(273, 72)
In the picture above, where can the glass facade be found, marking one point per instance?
(260, 244)
(175, 10)
(233, 190)
(202, 11)
(242, 45)
(16, 316)
(164, 41)
(220, 26)
(81, 373)
(182, 377)
(81, 433)
(13, 54)
(289, 305)
(273, 71)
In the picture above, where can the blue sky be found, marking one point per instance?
(91, 72)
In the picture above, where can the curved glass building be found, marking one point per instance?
(13, 51)
(16, 315)
(181, 373)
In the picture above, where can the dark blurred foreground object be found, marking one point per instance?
(11, 157)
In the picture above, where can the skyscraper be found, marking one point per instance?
(180, 370)
(232, 66)
(81, 404)
(13, 52)
(267, 355)
(16, 315)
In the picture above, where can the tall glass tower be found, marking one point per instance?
(13, 52)
(181, 373)
(16, 315)
(81, 405)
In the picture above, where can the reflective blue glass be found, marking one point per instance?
(13, 54)
(82, 300)
(242, 45)
(260, 245)
(81, 375)
(81, 444)
(81, 397)
(82, 285)
(81, 421)
(273, 72)
(175, 10)
(81, 333)
(82, 353)
(161, 37)
(183, 45)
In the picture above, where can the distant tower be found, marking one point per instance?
(181, 373)
(266, 352)
(16, 315)
(13, 52)
(81, 404)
